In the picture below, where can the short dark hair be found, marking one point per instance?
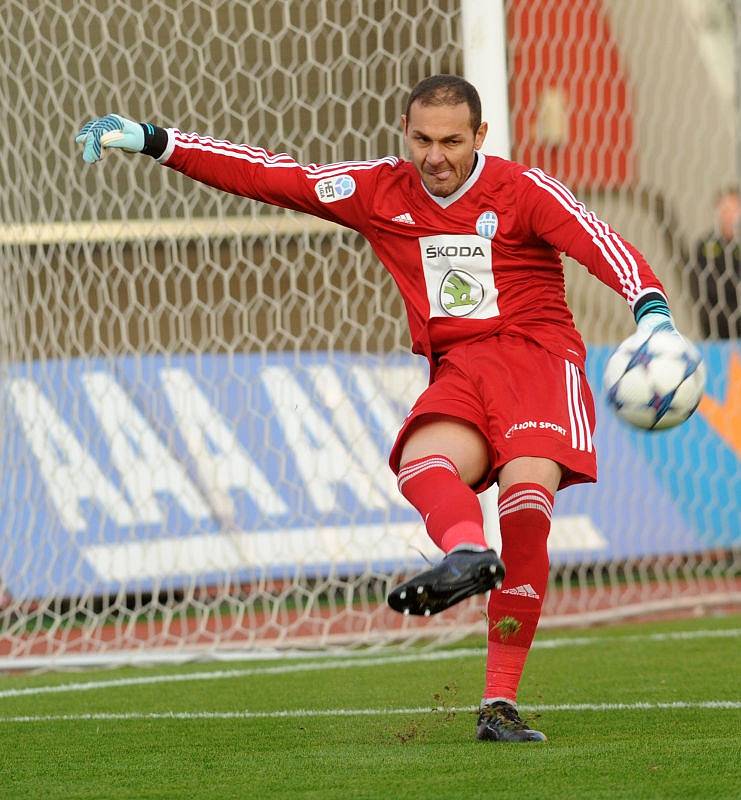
(447, 90)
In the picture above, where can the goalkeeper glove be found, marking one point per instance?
(109, 131)
(653, 316)
(654, 323)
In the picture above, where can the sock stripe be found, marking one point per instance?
(526, 494)
(421, 461)
(525, 506)
(433, 461)
(517, 488)
(418, 467)
(507, 501)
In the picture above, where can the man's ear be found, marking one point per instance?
(480, 135)
(404, 122)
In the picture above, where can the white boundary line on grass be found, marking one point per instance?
(304, 713)
(352, 661)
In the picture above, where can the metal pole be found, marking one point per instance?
(485, 66)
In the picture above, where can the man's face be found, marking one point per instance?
(441, 144)
(728, 213)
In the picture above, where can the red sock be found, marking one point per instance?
(450, 509)
(525, 519)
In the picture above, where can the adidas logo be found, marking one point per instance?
(526, 590)
(406, 218)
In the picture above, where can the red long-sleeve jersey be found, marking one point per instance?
(482, 261)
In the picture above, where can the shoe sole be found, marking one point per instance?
(420, 596)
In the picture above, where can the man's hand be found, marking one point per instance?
(109, 131)
(653, 323)
(653, 316)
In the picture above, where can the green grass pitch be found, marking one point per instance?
(362, 727)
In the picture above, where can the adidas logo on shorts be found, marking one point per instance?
(526, 590)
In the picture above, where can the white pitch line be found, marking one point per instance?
(145, 680)
(352, 661)
(305, 713)
(727, 633)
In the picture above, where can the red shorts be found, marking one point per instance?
(525, 401)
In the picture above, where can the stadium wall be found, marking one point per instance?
(149, 474)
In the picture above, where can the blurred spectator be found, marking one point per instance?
(715, 276)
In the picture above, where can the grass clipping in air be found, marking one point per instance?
(507, 626)
(444, 707)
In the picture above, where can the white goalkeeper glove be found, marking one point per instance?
(109, 131)
(655, 323)
(653, 316)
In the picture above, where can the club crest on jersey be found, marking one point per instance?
(460, 293)
(487, 224)
(330, 190)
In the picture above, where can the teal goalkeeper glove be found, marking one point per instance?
(653, 323)
(652, 315)
(109, 131)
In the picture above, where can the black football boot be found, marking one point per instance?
(500, 722)
(461, 574)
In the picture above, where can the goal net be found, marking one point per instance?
(199, 392)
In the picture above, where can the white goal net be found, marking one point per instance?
(199, 392)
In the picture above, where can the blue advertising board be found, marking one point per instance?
(147, 472)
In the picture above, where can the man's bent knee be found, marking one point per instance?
(529, 469)
(455, 439)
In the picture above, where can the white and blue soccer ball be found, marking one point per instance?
(654, 382)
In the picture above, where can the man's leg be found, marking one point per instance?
(441, 458)
(526, 490)
(440, 461)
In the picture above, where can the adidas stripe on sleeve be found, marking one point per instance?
(341, 192)
(550, 211)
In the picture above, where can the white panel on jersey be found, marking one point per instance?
(459, 277)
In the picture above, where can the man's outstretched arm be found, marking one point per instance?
(340, 192)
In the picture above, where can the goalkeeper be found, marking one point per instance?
(473, 243)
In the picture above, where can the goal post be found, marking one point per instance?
(199, 392)
(484, 40)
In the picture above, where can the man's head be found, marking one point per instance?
(442, 129)
(728, 213)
